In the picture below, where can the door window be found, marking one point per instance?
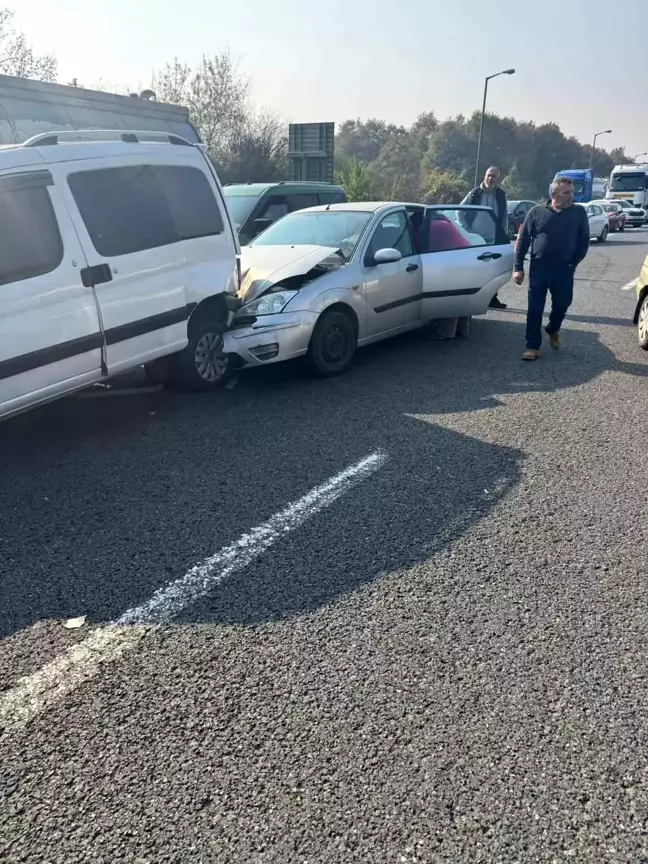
(30, 242)
(331, 197)
(301, 202)
(273, 209)
(393, 232)
(451, 228)
(130, 209)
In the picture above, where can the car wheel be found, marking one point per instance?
(642, 324)
(332, 344)
(621, 227)
(604, 234)
(203, 365)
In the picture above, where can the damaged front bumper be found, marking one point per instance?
(269, 339)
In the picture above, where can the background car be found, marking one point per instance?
(255, 206)
(615, 213)
(598, 221)
(517, 211)
(635, 216)
(321, 282)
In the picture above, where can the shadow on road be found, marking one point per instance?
(103, 502)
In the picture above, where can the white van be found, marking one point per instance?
(116, 250)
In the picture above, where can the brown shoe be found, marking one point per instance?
(530, 354)
(554, 340)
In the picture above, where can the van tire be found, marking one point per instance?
(332, 344)
(202, 365)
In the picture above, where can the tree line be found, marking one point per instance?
(431, 161)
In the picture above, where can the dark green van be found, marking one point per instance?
(255, 206)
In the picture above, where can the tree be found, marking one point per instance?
(17, 58)
(444, 187)
(357, 181)
(258, 152)
(215, 93)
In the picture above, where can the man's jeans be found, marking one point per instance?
(559, 281)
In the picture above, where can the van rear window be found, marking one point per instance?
(30, 242)
(140, 207)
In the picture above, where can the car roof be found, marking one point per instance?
(287, 186)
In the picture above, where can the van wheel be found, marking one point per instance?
(332, 344)
(203, 365)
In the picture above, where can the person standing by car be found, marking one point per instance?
(488, 194)
(558, 235)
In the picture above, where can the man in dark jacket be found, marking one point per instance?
(558, 235)
(488, 194)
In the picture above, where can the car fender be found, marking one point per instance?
(352, 297)
(642, 297)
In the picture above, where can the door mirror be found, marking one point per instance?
(386, 256)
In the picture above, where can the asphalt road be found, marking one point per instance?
(407, 619)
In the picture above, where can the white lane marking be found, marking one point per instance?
(630, 286)
(49, 685)
(201, 579)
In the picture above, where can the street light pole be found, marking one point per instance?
(483, 114)
(604, 132)
(634, 158)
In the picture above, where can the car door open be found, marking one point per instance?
(466, 256)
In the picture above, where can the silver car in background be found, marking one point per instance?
(324, 281)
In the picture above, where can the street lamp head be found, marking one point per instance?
(509, 72)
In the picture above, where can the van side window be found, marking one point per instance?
(193, 204)
(134, 208)
(30, 242)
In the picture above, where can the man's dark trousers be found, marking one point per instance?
(559, 281)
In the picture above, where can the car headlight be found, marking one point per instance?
(269, 304)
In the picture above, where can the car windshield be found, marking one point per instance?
(239, 206)
(627, 182)
(626, 205)
(610, 208)
(511, 205)
(339, 229)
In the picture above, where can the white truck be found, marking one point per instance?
(630, 183)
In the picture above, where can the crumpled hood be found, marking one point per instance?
(265, 266)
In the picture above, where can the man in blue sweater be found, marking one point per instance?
(558, 235)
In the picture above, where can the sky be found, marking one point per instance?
(579, 63)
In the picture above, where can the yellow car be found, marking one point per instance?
(641, 312)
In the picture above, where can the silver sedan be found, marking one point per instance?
(324, 281)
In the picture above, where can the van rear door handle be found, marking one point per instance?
(91, 276)
(489, 256)
(411, 268)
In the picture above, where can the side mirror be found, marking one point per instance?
(386, 256)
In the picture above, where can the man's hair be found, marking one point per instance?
(558, 182)
(493, 168)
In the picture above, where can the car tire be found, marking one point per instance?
(642, 324)
(621, 228)
(202, 366)
(604, 234)
(332, 344)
